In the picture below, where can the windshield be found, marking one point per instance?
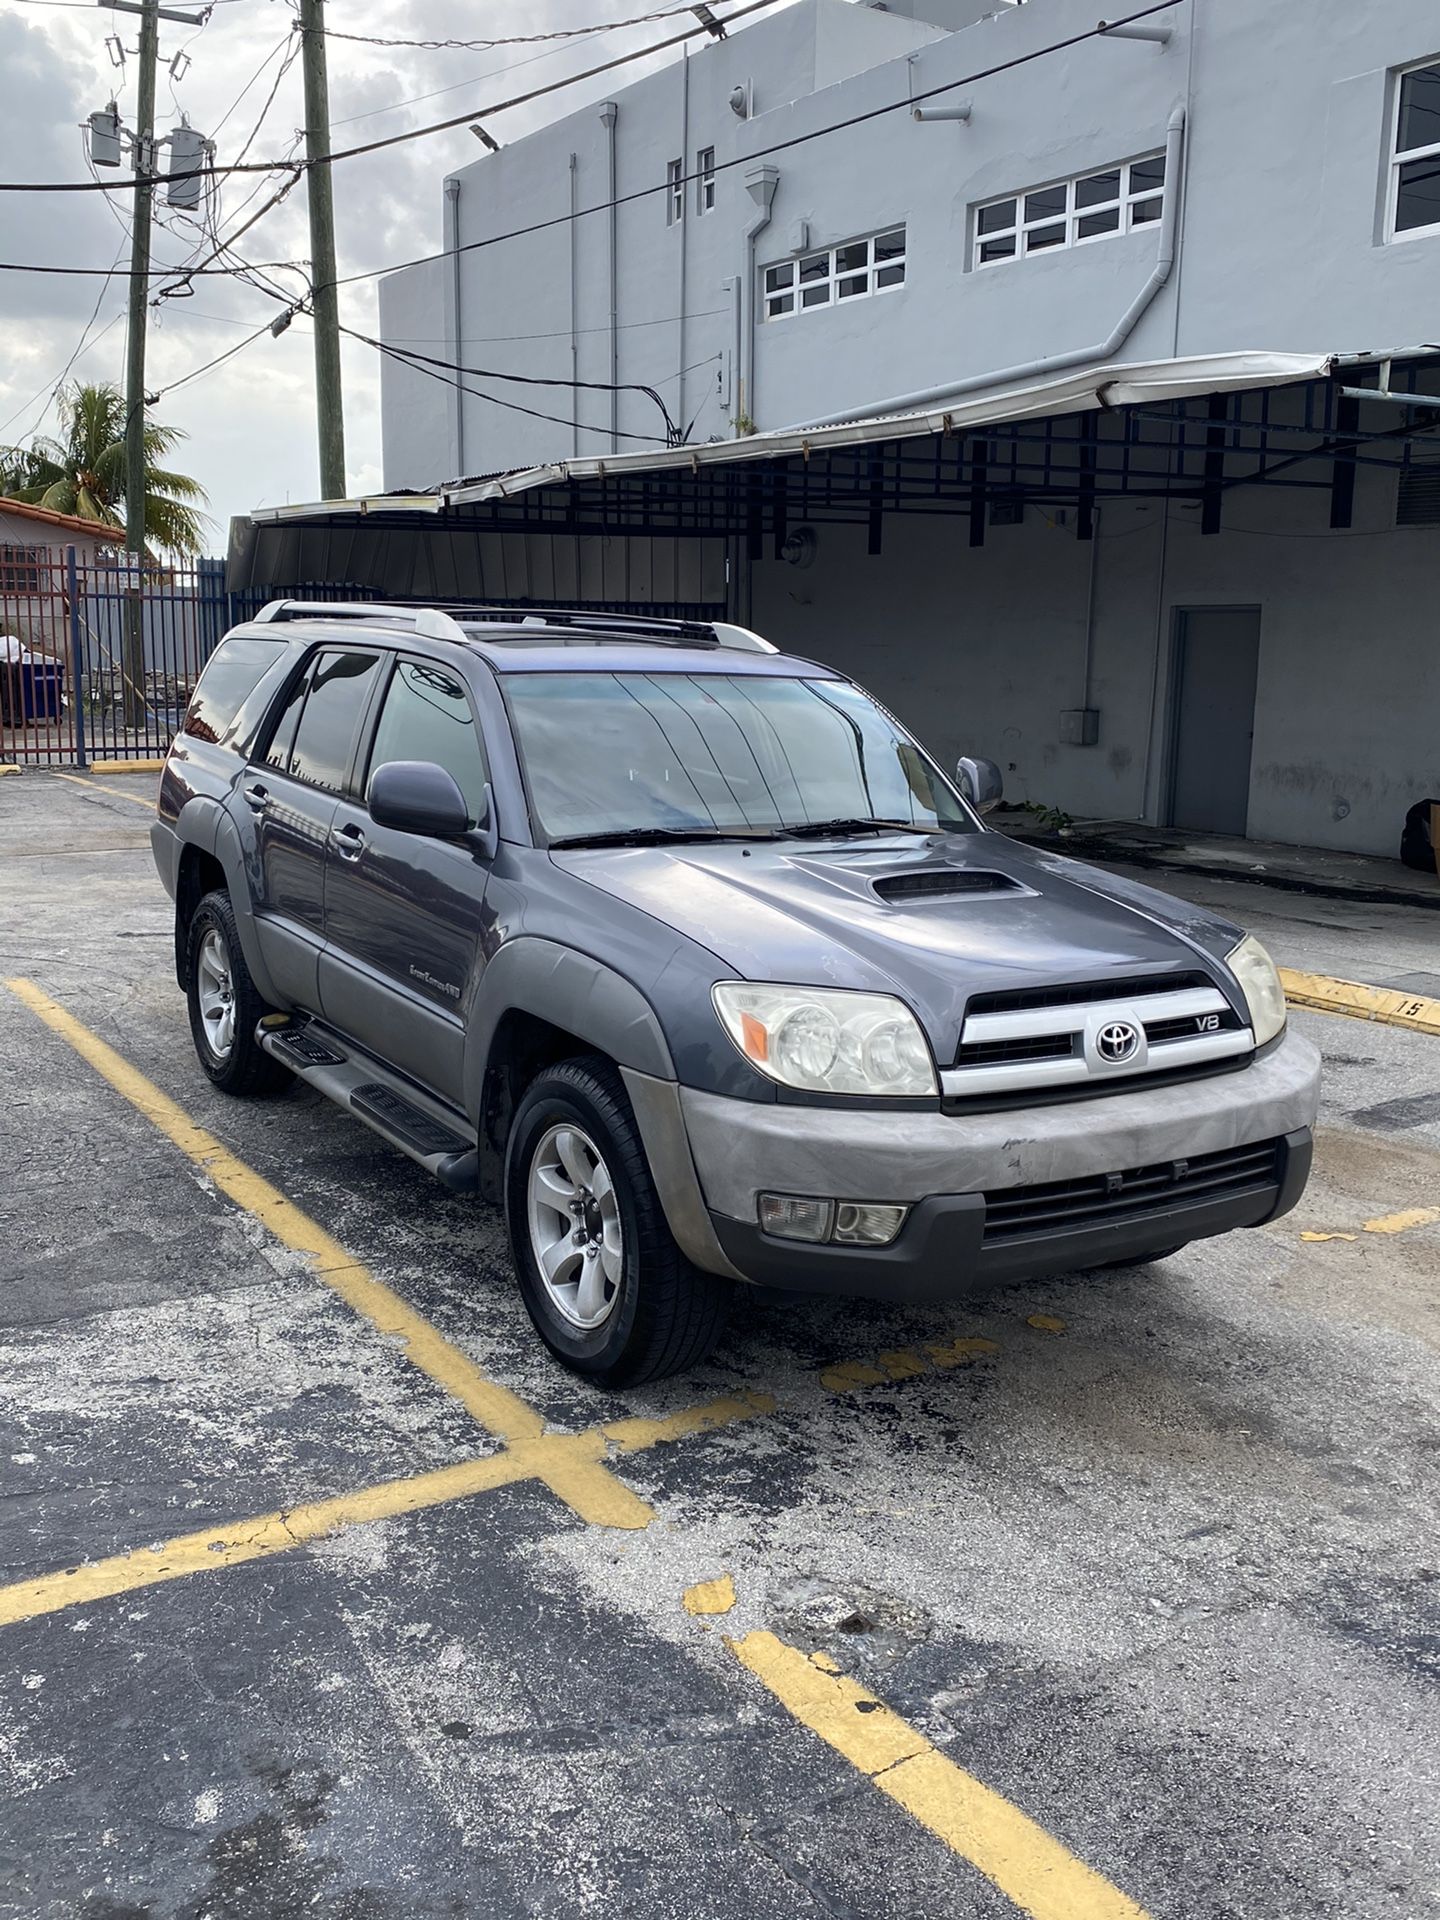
(663, 753)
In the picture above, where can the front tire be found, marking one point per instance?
(225, 1007)
(609, 1291)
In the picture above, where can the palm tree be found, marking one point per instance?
(82, 472)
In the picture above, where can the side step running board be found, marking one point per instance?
(419, 1127)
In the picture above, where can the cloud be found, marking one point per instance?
(250, 422)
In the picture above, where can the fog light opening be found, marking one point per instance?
(865, 1223)
(844, 1223)
(790, 1217)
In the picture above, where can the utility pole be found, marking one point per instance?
(329, 407)
(133, 653)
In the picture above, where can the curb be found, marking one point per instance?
(1101, 851)
(1384, 1004)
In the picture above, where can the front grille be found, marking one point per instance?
(1028, 999)
(1035, 1046)
(1059, 1206)
(936, 884)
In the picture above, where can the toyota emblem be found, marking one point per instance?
(1117, 1041)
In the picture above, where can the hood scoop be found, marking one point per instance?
(943, 883)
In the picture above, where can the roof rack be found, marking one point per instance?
(450, 623)
(431, 621)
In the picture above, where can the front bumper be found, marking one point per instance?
(942, 1166)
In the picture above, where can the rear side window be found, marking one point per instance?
(427, 717)
(339, 687)
(231, 675)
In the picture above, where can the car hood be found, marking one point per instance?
(863, 915)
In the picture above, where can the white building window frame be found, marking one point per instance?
(1398, 159)
(829, 277)
(674, 191)
(1099, 205)
(705, 180)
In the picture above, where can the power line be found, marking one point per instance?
(515, 39)
(457, 120)
(511, 406)
(640, 193)
(422, 361)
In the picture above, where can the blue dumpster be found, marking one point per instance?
(40, 683)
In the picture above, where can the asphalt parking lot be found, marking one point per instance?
(324, 1592)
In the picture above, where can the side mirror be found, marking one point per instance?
(416, 796)
(981, 782)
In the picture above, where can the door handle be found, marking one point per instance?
(257, 796)
(349, 842)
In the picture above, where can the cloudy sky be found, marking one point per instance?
(251, 421)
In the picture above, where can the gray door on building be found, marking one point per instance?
(1217, 650)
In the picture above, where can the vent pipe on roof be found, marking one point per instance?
(1096, 355)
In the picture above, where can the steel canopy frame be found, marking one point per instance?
(1134, 432)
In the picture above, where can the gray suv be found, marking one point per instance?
(687, 954)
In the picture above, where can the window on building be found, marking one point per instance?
(1414, 206)
(19, 569)
(1071, 213)
(674, 191)
(873, 265)
(705, 180)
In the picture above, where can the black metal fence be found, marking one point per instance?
(98, 656)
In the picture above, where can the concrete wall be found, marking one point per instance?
(980, 650)
(1287, 147)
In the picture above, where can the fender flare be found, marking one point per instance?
(204, 824)
(571, 990)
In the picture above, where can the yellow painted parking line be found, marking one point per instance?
(1386, 1004)
(116, 793)
(710, 1596)
(127, 766)
(1028, 1865)
(577, 1477)
(241, 1540)
(236, 1541)
(1403, 1222)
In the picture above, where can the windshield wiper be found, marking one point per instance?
(650, 836)
(815, 828)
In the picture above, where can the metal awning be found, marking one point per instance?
(1093, 390)
(1193, 428)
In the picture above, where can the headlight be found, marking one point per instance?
(1260, 983)
(828, 1041)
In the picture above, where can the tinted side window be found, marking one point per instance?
(231, 673)
(340, 685)
(277, 754)
(427, 717)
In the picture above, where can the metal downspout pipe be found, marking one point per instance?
(760, 184)
(574, 306)
(457, 392)
(1061, 362)
(684, 230)
(609, 113)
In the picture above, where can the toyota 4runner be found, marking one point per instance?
(687, 954)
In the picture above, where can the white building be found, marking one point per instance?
(1203, 594)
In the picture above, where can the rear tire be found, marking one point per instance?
(225, 1007)
(600, 1273)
